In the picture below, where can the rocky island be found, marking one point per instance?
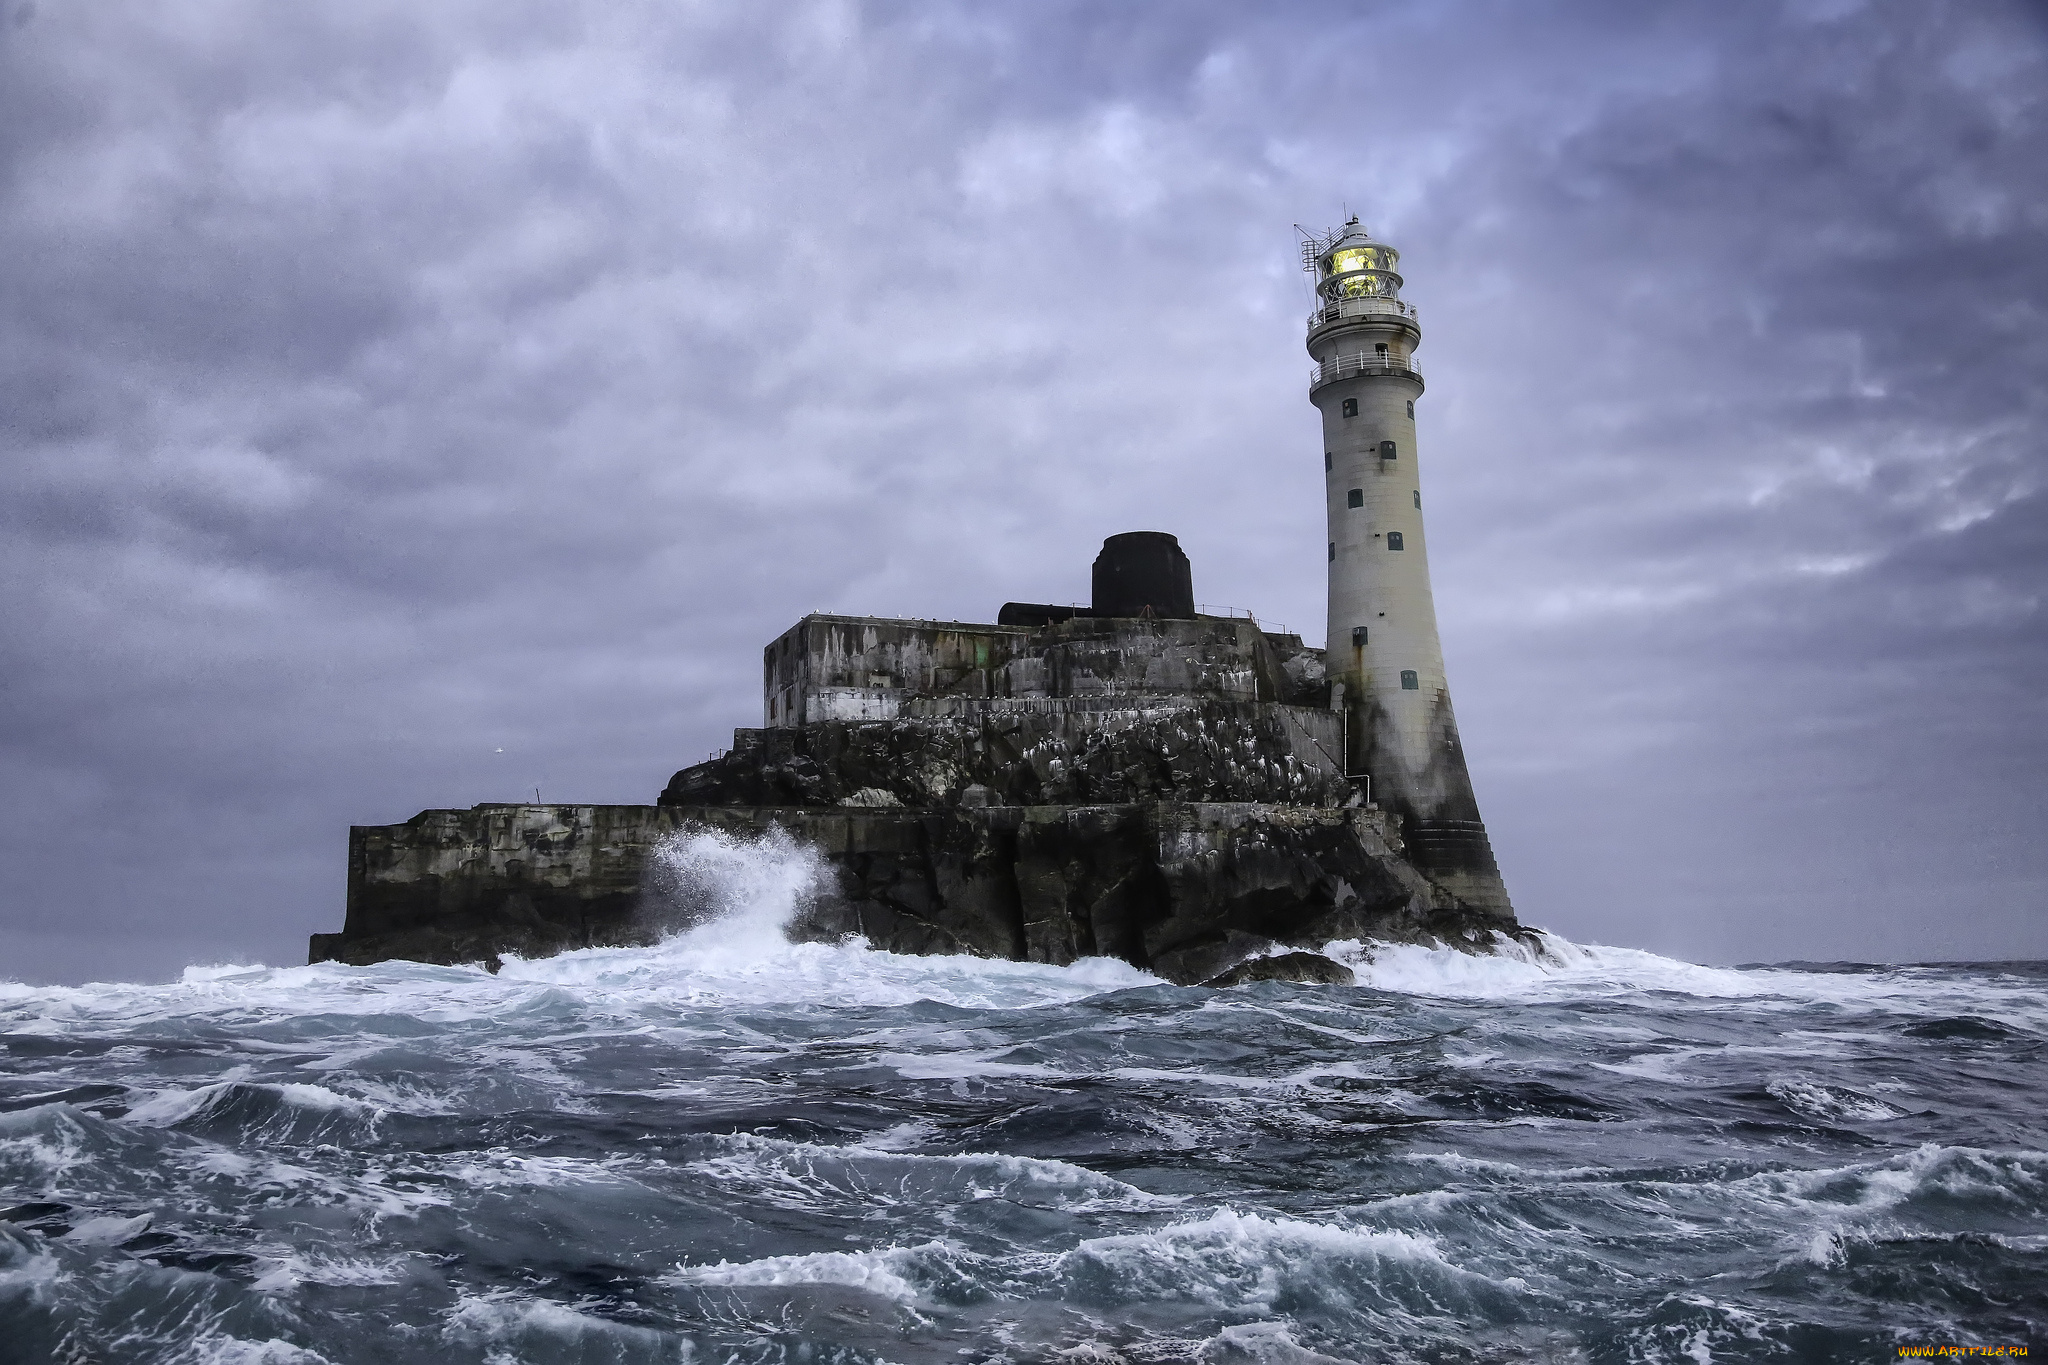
(1188, 792)
(1130, 779)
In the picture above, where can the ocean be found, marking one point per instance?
(731, 1148)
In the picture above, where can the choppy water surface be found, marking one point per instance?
(730, 1148)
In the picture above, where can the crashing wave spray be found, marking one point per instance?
(730, 895)
(730, 909)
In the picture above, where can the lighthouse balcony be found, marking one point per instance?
(1345, 310)
(1351, 366)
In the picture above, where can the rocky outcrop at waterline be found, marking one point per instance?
(1308, 969)
(1183, 889)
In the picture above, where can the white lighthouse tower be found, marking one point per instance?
(1382, 647)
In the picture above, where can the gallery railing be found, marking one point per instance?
(1344, 366)
(1338, 309)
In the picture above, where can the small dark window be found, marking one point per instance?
(1326, 460)
(1358, 637)
(1411, 409)
(1351, 407)
(1355, 498)
(1418, 499)
(1408, 680)
(1387, 450)
(1333, 551)
(1394, 540)
(1380, 349)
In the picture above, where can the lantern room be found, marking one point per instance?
(1350, 265)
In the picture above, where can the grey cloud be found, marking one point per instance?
(387, 387)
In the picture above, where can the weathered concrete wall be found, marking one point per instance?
(851, 668)
(1185, 889)
(830, 668)
(465, 885)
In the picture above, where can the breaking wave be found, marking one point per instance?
(731, 1147)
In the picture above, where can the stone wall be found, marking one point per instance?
(863, 669)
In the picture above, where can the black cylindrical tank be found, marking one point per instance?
(1144, 573)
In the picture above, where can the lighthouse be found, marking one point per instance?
(1385, 663)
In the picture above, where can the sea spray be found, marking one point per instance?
(728, 894)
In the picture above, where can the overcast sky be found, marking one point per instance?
(413, 405)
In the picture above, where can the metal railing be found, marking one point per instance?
(1243, 614)
(1339, 309)
(1337, 367)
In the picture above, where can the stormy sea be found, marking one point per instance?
(732, 1148)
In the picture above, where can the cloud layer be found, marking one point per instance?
(409, 408)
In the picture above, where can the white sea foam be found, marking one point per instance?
(285, 1270)
(1259, 1343)
(898, 1273)
(1811, 1216)
(1931, 1171)
(1511, 969)
(213, 1348)
(1249, 1260)
(501, 1169)
(1228, 1260)
(169, 1107)
(1557, 969)
(808, 1175)
(44, 1145)
(1831, 1103)
(538, 1329)
(756, 971)
(108, 1231)
(260, 1172)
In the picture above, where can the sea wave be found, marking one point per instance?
(726, 1146)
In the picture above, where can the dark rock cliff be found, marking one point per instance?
(1104, 754)
(1185, 889)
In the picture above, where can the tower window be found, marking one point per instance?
(1387, 450)
(1355, 498)
(1409, 682)
(1358, 637)
(1379, 349)
(1351, 407)
(1418, 499)
(1411, 409)
(1394, 540)
(1333, 551)
(1326, 461)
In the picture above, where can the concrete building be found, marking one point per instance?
(1384, 662)
(1140, 646)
